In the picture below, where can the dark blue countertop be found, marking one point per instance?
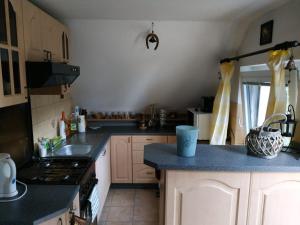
(98, 138)
(41, 203)
(218, 158)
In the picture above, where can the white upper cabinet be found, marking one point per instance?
(12, 66)
(45, 37)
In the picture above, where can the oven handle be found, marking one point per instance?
(78, 220)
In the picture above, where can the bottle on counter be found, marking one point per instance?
(81, 124)
(73, 123)
(62, 126)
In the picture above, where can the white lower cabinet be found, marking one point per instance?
(62, 219)
(230, 198)
(103, 175)
(206, 198)
(142, 173)
(274, 199)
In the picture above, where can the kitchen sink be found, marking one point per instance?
(74, 150)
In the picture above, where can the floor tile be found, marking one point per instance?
(130, 207)
(120, 214)
(144, 223)
(104, 214)
(146, 213)
(108, 198)
(148, 197)
(123, 198)
(118, 223)
(123, 191)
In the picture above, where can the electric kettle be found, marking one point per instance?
(7, 176)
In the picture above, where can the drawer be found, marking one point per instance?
(172, 139)
(139, 146)
(143, 174)
(149, 139)
(137, 157)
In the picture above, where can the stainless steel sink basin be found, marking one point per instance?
(73, 150)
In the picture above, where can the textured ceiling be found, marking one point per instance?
(195, 10)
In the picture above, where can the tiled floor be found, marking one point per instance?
(130, 207)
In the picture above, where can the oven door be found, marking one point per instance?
(85, 217)
(89, 201)
(76, 220)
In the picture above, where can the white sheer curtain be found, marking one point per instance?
(252, 98)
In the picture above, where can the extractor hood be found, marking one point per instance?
(50, 74)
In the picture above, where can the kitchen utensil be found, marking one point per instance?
(162, 117)
(7, 176)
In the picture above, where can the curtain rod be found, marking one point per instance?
(282, 46)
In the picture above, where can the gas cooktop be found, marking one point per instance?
(54, 171)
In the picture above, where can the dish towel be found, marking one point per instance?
(94, 200)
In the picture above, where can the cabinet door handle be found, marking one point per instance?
(149, 173)
(128, 139)
(104, 153)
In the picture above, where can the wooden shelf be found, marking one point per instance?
(111, 120)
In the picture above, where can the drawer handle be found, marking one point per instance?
(149, 173)
(149, 139)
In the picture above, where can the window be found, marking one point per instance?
(256, 81)
(255, 102)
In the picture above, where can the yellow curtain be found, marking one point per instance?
(220, 115)
(278, 96)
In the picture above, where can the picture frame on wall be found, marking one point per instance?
(266, 32)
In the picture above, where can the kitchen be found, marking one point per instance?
(116, 79)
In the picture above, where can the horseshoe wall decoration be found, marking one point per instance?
(152, 38)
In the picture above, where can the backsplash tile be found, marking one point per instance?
(46, 112)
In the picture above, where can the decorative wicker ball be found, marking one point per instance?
(266, 145)
(264, 141)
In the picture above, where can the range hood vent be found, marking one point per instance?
(50, 74)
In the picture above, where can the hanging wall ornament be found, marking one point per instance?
(152, 38)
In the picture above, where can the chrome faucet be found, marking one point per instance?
(51, 145)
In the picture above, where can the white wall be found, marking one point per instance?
(286, 28)
(118, 73)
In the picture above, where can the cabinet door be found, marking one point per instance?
(172, 139)
(65, 44)
(12, 62)
(121, 161)
(143, 174)
(103, 175)
(32, 32)
(76, 205)
(51, 41)
(59, 220)
(274, 199)
(208, 198)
